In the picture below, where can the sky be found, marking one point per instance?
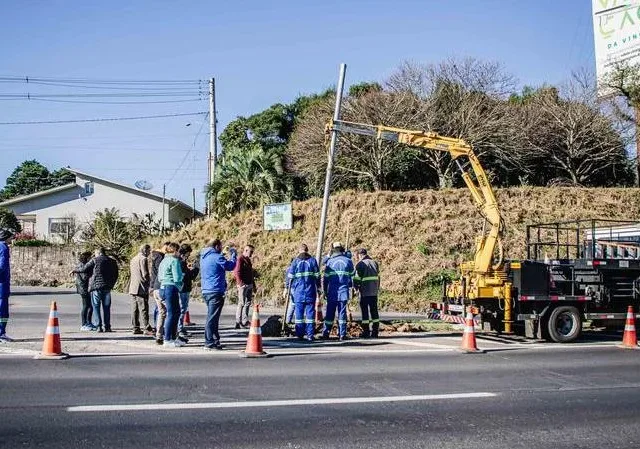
(259, 52)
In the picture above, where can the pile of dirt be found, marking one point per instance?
(414, 235)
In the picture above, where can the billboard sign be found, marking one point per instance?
(616, 31)
(277, 217)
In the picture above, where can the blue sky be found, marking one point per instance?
(260, 52)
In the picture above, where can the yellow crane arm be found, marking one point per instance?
(481, 190)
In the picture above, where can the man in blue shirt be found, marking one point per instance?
(5, 280)
(213, 268)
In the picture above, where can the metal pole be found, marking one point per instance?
(332, 150)
(213, 138)
(637, 111)
(164, 194)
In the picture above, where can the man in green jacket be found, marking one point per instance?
(367, 282)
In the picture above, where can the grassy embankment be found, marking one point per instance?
(417, 236)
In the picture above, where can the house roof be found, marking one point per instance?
(21, 198)
(171, 201)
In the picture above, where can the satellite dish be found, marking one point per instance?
(143, 185)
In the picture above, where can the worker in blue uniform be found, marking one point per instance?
(304, 282)
(6, 236)
(336, 282)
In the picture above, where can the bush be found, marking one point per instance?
(31, 242)
(8, 220)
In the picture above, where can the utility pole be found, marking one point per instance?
(332, 151)
(213, 138)
(193, 192)
(637, 164)
(164, 194)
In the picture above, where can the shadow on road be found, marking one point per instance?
(43, 293)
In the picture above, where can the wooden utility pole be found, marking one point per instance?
(164, 195)
(637, 158)
(213, 138)
(193, 191)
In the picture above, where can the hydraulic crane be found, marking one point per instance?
(484, 278)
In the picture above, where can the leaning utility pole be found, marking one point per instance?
(332, 151)
(213, 138)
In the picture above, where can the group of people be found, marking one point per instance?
(305, 283)
(166, 275)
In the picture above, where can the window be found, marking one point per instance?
(88, 188)
(61, 226)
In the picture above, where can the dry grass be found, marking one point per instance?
(393, 225)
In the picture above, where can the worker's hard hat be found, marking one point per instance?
(337, 245)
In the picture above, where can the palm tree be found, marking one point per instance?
(247, 178)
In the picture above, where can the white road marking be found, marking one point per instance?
(277, 403)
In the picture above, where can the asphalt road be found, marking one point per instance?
(556, 396)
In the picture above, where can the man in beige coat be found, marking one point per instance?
(139, 291)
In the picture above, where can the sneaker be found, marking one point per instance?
(182, 339)
(324, 337)
(179, 343)
(5, 338)
(184, 334)
(159, 341)
(237, 326)
(84, 328)
(99, 329)
(343, 338)
(170, 344)
(107, 329)
(92, 328)
(149, 333)
(310, 339)
(209, 347)
(137, 332)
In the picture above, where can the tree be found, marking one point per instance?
(31, 176)
(571, 141)
(111, 231)
(9, 221)
(248, 178)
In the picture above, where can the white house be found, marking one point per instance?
(52, 213)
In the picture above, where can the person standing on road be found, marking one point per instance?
(160, 311)
(213, 266)
(82, 287)
(244, 276)
(190, 274)
(336, 283)
(6, 236)
(139, 291)
(304, 282)
(367, 282)
(171, 276)
(104, 275)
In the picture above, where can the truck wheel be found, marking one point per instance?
(564, 325)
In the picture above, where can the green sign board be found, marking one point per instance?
(277, 217)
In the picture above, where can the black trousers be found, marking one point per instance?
(369, 308)
(87, 309)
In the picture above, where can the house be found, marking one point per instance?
(56, 213)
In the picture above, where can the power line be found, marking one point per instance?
(103, 119)
(193, 145)
(28, 79)
(27, 96)
(101, 87)
(32, 98)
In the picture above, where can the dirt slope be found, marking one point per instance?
(415, 235)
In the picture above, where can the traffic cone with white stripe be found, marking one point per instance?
(629, 339)
(469, 337)
(254, 342)
(187, 319)
(52, 348)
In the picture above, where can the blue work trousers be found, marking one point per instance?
(101, 299)
(4, 315)
(171, 296)
(341, 306)
(305, 317)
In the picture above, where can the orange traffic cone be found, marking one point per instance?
(187, 319)
(469, 337)
(629, 339)
(254, 342)
(52, 348)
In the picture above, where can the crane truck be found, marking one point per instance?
(574, 272)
